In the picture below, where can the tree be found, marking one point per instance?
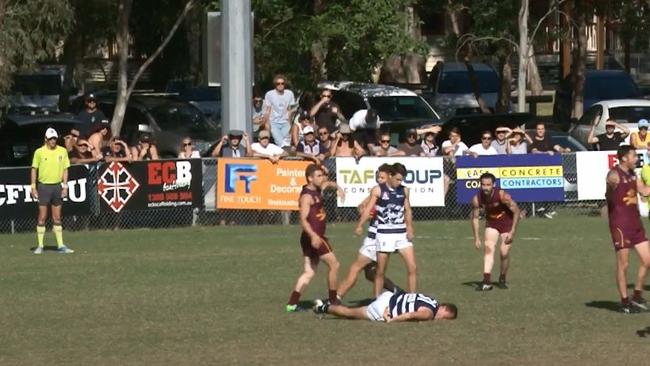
(124, 90)
(30, 31)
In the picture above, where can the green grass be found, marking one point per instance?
(216, 296)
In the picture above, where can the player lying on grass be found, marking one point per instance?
(367, 257)
(501, 217)
(393, 307)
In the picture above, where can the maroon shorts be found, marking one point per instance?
(503, 226)
(314, 253)
(627, 238)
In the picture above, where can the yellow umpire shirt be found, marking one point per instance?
(50, 164)
(645, 174)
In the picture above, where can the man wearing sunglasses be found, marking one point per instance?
(279, 103)
(485, 147)
(611, 139)
(49, 185)
(90, 115)
(326, 113)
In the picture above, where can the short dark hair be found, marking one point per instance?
(489, 176)
(398, 168)
(487, 132)
(386, 168)
(311, 169)
(452, 309)
(454, 130)
(623, 150)
(540, 124)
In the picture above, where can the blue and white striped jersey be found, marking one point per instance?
(390, 210)
(410, 302)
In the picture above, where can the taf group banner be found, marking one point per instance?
(15, 193)
(145, 185)
(424, 177)
(249, 184)
(527, 178)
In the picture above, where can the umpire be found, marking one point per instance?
(49, 183)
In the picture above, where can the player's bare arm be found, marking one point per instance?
(365, 215)
(422, 314)
(642, 188)
(408, 215)
(474, 218)
(612, 182)
(64, 184)
(514, 208)
(34, 191)
(332, 185)
(305, 204)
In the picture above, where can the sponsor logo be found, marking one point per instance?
(116, 186)
(11, 194)
(239, 172)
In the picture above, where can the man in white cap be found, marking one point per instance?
(611, 139)
(49, 183)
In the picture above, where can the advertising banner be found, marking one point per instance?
(424, 177)
(250, 184)
(15, 193)
(527, 178)
(145, 185)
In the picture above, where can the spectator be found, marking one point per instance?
(187, 150)
(384, 148)
(365, 124)
(99, 137)
(325, 141)
(541, 144)
(279, 104)
(500, 142)
(345, 145)
(82, 153)
(231, 146)
(90, 116)
(611, 139)
(326, 113)
(145, 149)
(517, 142)
(303, 122)
(429, 147)
(485, 147)
(411, 147)
(117, 150)
(267, 150)
(310, 148)
(640, 140)
(70, 139)
(454, 146)
(259, 122)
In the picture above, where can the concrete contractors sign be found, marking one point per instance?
(424, 178)
(249, 184)
(528, 178)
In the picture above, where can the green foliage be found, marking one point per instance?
(30, 31)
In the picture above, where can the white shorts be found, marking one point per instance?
(390, 243)
(375, 311)
(369, 249)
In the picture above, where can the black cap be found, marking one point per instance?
(90, 96)
(235, 133)
(411, 131)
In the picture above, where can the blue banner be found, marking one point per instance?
(527, 178)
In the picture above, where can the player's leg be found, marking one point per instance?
(333, 268)
(643, 251)
(622, 262)
(309, 270)
(380, 272)
(491, 238)
(369, 272)
(505, 261)
(56, 226)
(408, 255)
(40, 227)
(360, 263)
(348, 313)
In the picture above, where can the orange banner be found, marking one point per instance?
(250, 184)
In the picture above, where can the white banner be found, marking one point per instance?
(424, 177)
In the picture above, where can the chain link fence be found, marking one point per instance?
(186, 216)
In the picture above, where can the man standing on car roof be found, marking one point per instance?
(89, 116)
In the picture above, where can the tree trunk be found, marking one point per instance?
(579, 60)
(523, 56)
(483, 107)
(453, 18)
(71, 55)
(193, 34)
(626, 55)
(505, 76)
(534, 79)
(317, 60)
(122, 38)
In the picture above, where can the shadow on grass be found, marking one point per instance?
(643, 333)
(360, 303)
(605, 305)
(46, 248)
(474, 284)
(645, 287)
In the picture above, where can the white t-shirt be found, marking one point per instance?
(480, 150)
(280, 104)
(270, 149)
(358, 120)
(460, 147)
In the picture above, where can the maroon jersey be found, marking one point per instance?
(622, 204)
(495, 210)
(317, 216)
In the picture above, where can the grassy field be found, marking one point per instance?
(216, 296)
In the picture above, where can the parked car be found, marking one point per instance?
(627, 112)
(563, 139)
(168, 119)
(450, 90)
(38, 90)
(398, 109)
(599, 85)
(22, 134)
(206, 99)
